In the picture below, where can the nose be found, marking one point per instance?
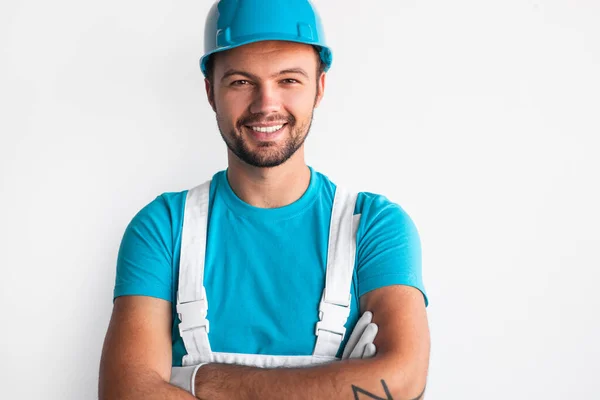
(266, 100)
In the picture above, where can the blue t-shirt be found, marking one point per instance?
(265, 268)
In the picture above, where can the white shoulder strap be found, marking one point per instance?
(334, 307)
(192, 304)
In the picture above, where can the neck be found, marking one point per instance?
(269, 187)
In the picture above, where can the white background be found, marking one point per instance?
(480, 118)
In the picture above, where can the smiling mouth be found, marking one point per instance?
(266, 129)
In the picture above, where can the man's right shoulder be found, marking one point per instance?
(164, 210)
(145, 258)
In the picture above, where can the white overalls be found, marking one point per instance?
(192, 304)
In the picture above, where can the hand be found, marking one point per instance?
(360, 344)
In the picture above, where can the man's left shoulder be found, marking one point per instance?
(388, 245)
(378, 209)
(371, 206)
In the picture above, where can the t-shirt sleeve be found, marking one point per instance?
(389, 247)
(145, 254)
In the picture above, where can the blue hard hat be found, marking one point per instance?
(233, 23)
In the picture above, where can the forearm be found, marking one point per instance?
(135, 384)
(349, 379)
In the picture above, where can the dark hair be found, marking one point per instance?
(210, 65)
(321, 64)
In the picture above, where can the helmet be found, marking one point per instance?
(233, 23)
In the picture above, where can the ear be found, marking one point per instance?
(320, 89)
(210, 94)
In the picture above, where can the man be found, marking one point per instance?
(286, 260)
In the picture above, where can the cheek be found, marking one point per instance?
(299, 103)
(232, 106)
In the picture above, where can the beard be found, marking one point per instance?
(268, 154)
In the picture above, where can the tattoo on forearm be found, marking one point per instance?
(356, 390)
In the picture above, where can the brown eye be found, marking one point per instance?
(240, 82)
(290, 81)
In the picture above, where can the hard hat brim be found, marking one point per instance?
(324, 51)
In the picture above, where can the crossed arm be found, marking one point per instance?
(398, 371)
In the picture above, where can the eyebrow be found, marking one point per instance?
(254, 77)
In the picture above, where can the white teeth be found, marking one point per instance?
(269, 129)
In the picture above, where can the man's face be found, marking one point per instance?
(264, 95)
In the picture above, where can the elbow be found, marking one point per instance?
(408, 388)
(411, 392)
(407, 380)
